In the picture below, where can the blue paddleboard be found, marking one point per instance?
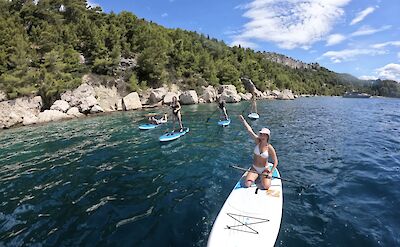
(173, 135)
(254, 115)
(224, 122)
(147, 126)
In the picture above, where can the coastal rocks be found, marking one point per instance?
(229, 94)
(168, 97)
(131, 102)
(209, 94)
(96, 109)
(29, 119)
(75, 97)
(286, 95)
(87, 103)
(246, 96)
(60, 105)
(189, 97)
(158, 94)
(51, 115)
(12, 112)
(74, 112)
(3, 96)
(107, 98)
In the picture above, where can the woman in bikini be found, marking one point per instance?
(262, 151)
(176, 110)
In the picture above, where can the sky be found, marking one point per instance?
(359, 37)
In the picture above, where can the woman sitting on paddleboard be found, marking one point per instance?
(156, 121)
(221, 105)
(176, 110)
(262, 151)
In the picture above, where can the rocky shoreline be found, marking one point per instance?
(91, 98)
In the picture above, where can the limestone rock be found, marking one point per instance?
(157, 95)
(209, 94)
(168, 97)
(87, 103)
(107, 97)
(3, 96)
(131, 102)
(229, 94)
(189, 97)
(60, 105)
(96, 109)
(29, 119)
(286, 95)
(51, 115)
(74, 112)
(12, 112)
(246, 96)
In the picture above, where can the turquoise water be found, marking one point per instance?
(99, 181)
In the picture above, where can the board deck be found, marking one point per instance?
(173, 135)
(250, 216)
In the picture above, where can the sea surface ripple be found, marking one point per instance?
(99, 181)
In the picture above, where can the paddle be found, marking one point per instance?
(208, 119)
(283, 179)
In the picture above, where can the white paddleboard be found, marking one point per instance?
(253, 115)
(250, 216)
(173, 135)
(224, 122)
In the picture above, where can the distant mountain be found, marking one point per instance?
(290, 62)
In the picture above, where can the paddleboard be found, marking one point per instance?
(250, 216)
(254, 115)
(224, 122)
(147, 126)
(173, 135)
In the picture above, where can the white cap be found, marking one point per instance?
(265, 131)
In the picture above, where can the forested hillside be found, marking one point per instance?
(46, 46)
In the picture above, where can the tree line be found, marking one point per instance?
(46, 46)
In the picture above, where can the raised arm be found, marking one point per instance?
(249, 129)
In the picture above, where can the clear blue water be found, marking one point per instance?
(99, 181)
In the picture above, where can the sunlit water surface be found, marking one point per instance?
(99, 181)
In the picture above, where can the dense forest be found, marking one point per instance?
(47, 45)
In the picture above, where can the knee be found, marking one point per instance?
(248, 183)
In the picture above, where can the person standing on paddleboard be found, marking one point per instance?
(176, 110)
(253, 103)
(262, 151)
(221, 105)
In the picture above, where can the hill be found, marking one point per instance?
(46, 46)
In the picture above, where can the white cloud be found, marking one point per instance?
(335, 39)
(367, 30)
(349, 54)
(290, 23)
(390, 72)
(367, 77)
(383, 45)
(361, 15)
(164, 15)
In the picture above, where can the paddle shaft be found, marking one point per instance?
(208, 119)
(265, 175)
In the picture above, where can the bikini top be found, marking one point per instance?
(257, 152)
